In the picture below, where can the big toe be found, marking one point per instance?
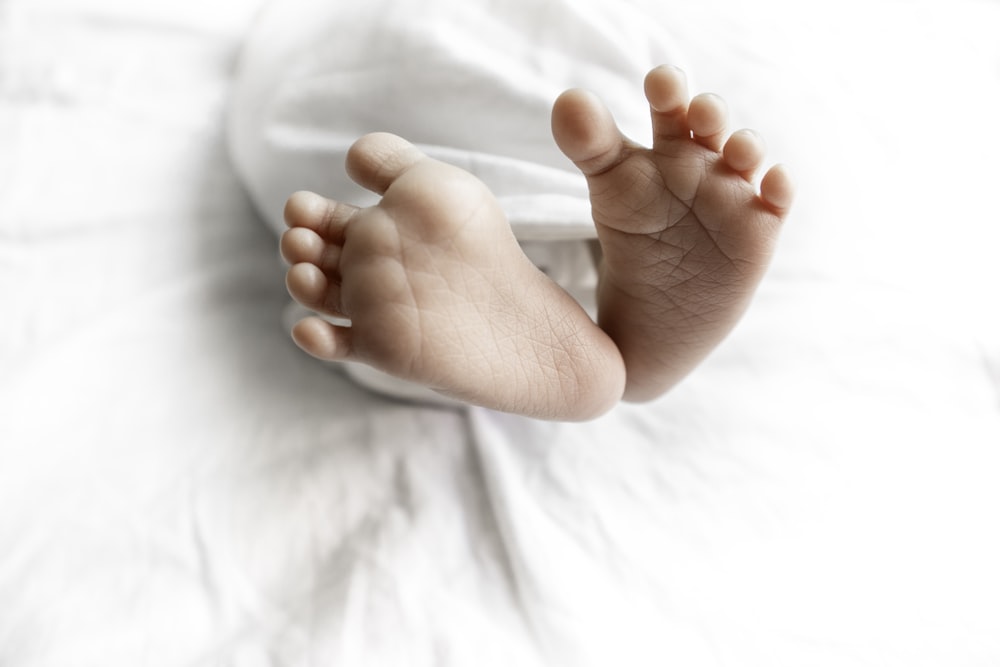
(585, 131)
(376, 160)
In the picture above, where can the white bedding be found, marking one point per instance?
(180, 486)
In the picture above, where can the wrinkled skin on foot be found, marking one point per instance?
(684, 232)
(438, 291)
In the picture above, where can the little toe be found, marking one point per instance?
(308, 285)
(744, 153)
(322, 339)
(376, 160)
(586, 133)
(667, 93)
(777, 189)
(707, 118)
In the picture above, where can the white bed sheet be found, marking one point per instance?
(180, 486)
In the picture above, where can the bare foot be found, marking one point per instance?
(685, 234)
(438, 291)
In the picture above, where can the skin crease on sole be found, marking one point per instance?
(439, 292)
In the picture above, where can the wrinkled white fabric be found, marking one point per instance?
(180, 486)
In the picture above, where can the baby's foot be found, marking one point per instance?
(439, 292)
(684, 233)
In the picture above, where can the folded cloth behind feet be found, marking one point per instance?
(470, 82)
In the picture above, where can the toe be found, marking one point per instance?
(304, 246)
(777, 189)
(300, 244)
(707, 116)
(667, 92)
(308, 285)
(376, 160)
(744, 153)
(586, 133)
(324, 216)
(322, 339)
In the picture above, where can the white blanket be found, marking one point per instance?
(180, 486)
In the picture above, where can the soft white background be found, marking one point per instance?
(179, 486)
